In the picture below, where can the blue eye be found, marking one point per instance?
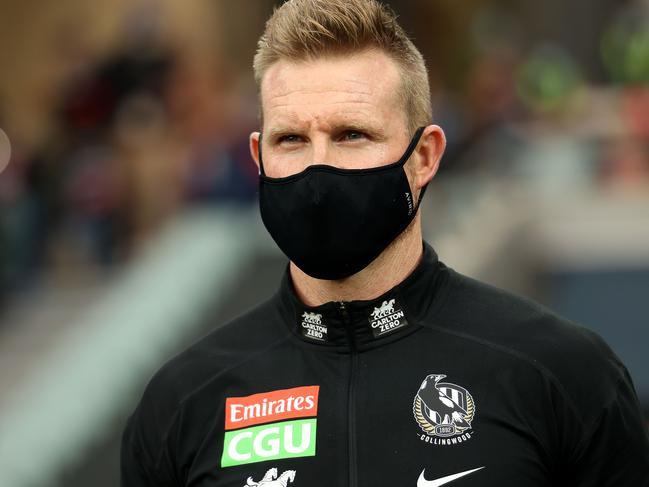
(353, 135)
(288, 139)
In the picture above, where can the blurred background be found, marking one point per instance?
(129, 224)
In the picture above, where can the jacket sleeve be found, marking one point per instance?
(615, 449)
(144, 457)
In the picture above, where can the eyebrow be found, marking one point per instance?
(371, 129)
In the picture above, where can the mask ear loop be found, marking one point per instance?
(261, 162)
(412, 145)
(411, 148)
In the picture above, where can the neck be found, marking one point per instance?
(394, 264)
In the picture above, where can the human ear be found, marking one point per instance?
(429, 153)
(254, 147)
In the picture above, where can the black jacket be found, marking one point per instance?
(441, 380)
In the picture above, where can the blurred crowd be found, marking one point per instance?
(146, 129)
(138, 134)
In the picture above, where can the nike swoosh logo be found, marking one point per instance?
(422, 482)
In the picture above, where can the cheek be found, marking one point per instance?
(361, 155)
(346, 155)
(281, 166)
(411, 174)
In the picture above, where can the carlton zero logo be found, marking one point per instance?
(387, 318)
(444, 411)
(312, 326)
(249, 437)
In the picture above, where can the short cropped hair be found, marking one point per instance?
(303, 30)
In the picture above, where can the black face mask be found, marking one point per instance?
(334, 222)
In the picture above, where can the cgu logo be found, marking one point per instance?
(288, 439)
(270, 425)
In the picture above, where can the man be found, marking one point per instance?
(374, 364)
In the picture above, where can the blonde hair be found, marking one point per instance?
(308, 29)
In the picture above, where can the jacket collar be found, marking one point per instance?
(359, 325)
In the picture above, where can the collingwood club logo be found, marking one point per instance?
(387, 318)
(312, 326)
(270, 479)
(444, 411)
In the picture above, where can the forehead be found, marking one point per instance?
(365, 84)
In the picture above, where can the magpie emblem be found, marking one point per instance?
(271, 480)
(443, 410)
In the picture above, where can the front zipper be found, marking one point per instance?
(351, 399)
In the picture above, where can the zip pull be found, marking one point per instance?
(344, 312)
(349, 328)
